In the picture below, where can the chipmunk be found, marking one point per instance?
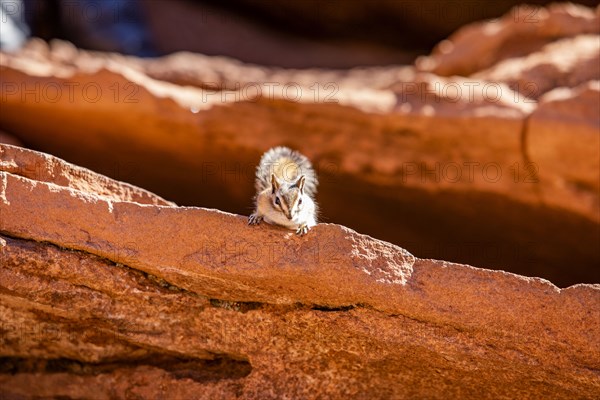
(285, 187)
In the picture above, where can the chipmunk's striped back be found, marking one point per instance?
(287, 165)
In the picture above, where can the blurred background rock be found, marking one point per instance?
(293, 34)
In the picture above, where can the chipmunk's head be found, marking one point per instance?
(287, 197)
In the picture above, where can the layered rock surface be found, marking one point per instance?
(108, 291)
(477, 169)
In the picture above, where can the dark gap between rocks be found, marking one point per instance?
(333, 309)
(482, 229)
(199, 370)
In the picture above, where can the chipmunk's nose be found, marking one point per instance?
(289, 215)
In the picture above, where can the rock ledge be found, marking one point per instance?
(108, 290)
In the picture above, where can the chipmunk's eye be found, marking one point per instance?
(277, 201)
(299, 201)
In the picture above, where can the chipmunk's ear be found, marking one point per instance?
(274, 183)
(300, 183)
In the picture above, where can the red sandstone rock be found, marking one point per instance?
(46, 168)
(456, 174)
(108, 290)
(104, 298)
(568, 119)
(565, 63)
(522, 31)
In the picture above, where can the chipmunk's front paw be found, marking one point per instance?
(302, 230)
(254, 219)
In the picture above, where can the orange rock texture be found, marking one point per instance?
(108, 291)
(486, 152)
